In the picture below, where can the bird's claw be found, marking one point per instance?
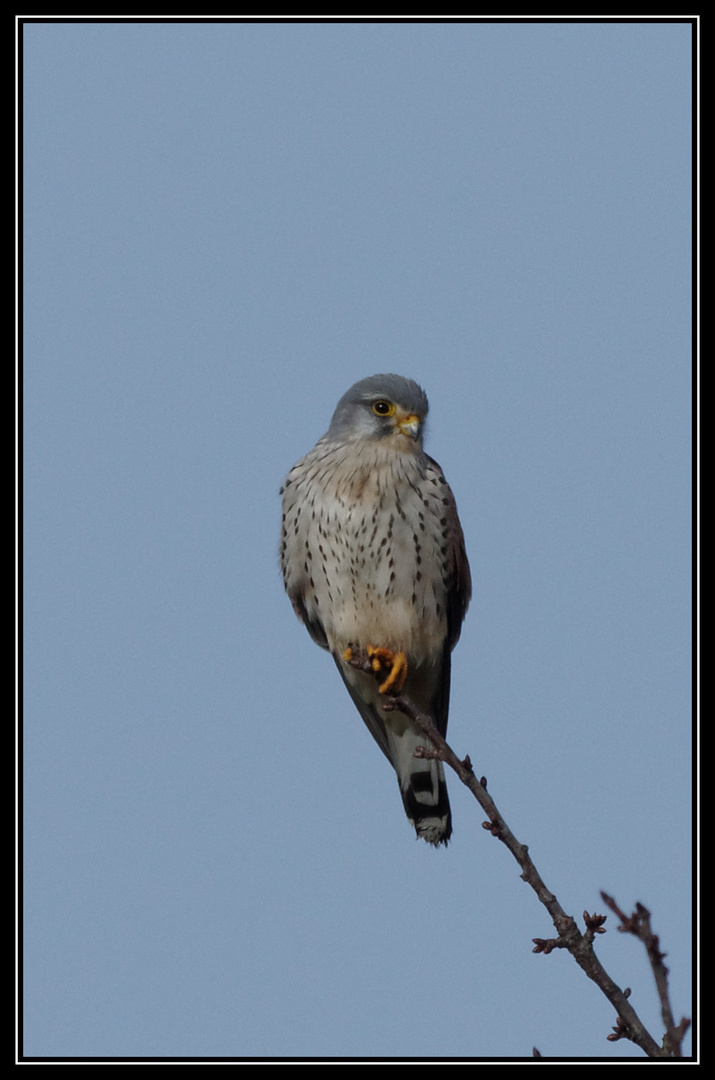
(394, 663)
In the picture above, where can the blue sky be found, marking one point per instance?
(225, 226)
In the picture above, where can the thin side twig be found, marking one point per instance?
(639, 925)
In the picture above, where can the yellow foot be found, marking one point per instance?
(395, 663)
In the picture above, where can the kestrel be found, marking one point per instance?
(373, 559)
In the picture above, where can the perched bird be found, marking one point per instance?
(373, 559)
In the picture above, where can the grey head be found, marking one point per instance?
(378, 407)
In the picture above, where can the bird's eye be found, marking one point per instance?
(383, 408)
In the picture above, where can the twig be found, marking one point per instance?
(638, 924)
(628, 1025)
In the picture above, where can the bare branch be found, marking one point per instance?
(639, 925)
(628, 1023)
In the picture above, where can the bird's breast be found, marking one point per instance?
(365, 550)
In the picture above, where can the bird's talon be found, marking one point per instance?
(395, 663)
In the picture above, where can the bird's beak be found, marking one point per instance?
(409, 425)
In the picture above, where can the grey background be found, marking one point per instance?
(225, 226)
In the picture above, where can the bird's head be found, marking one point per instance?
(381, 407)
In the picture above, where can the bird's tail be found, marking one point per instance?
(423, 788)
